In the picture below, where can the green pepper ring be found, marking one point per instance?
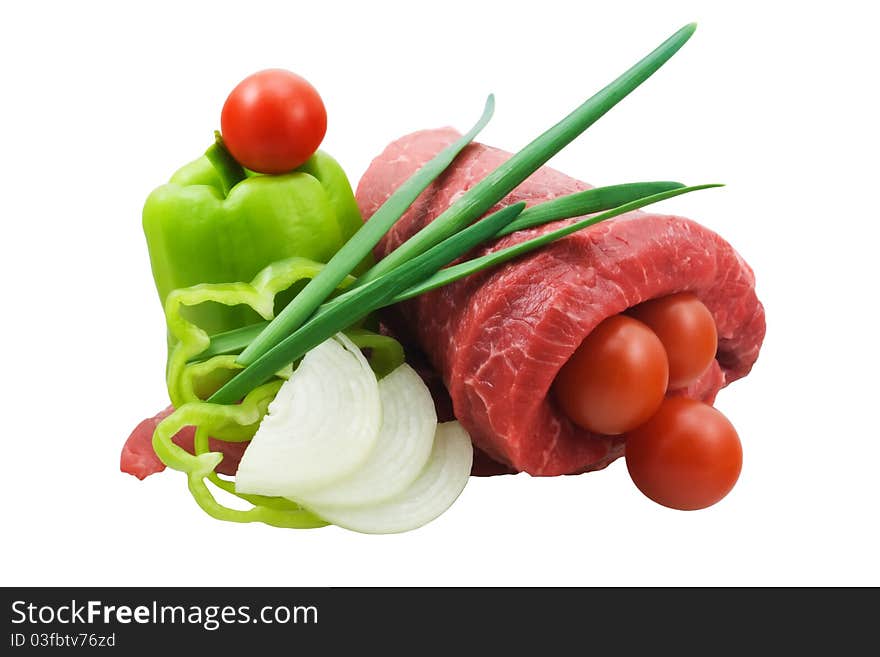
(236, 422)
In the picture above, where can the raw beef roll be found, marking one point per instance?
(499, 338)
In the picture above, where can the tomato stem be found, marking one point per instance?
(230, 171)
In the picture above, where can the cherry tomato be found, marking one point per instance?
(616, 379)
(687, 330)
(688, 456)
(273, 121)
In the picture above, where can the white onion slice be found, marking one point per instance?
(321, 426)
(401, 451)
(436, 488)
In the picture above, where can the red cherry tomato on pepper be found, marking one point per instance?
(273, 121)
(687, 330)
(688, 456)
(616, 379)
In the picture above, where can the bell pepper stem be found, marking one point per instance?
(231, 172)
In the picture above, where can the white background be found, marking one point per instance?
(100, 103)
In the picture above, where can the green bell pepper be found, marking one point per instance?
(218, 224)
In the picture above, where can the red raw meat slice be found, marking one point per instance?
(498, 338)
(139, 459)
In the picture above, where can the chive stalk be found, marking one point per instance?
(593, 200)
